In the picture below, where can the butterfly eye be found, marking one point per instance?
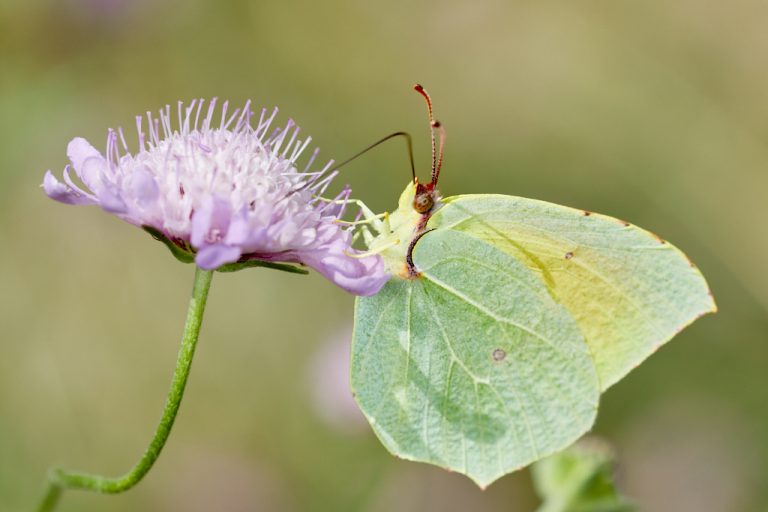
(423, 202)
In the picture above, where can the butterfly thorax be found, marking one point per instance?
(401, 229)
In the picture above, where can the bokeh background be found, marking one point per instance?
(653, 111)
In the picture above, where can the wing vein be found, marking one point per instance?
(492, 315)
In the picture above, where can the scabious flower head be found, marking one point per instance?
(223, 191)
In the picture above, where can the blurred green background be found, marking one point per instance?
(654, 111)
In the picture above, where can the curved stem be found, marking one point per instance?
(60, 480)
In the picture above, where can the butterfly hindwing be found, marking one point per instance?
(628, 290)
(471, 366)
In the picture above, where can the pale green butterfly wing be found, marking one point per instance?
(628, 291)
(472, 366)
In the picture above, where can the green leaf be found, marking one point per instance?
(473, 366)
(579, 479)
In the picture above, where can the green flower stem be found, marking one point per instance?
(60, 480)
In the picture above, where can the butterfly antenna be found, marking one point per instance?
(418, 88)
(437, 154)
(436, 170)
(390, 136)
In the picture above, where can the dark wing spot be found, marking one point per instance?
(587, 214)
(568, 255)
(499, 354)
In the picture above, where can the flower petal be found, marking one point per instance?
(359, 276)
(63, 192)
(212, 257)
(210, 222)
(144, 185)
(110, 195)
(79, 152)
(240, 230)
(74, 186)
(144, 195)
(110, 200)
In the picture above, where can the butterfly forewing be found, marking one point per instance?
(628, 290)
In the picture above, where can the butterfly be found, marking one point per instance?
(504, 320)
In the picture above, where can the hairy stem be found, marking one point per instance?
(60, 480)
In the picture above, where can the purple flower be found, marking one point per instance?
(222, 192)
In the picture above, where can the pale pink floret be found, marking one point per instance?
(227, 189)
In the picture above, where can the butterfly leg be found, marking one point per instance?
(368, 215)
(375, 251)
(361, 222)
(368, 237)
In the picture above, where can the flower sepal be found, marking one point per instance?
(188, 256)
(240, 265)
(184, 256)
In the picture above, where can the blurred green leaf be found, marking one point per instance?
(579, 479)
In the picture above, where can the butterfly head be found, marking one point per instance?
(425, 198)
